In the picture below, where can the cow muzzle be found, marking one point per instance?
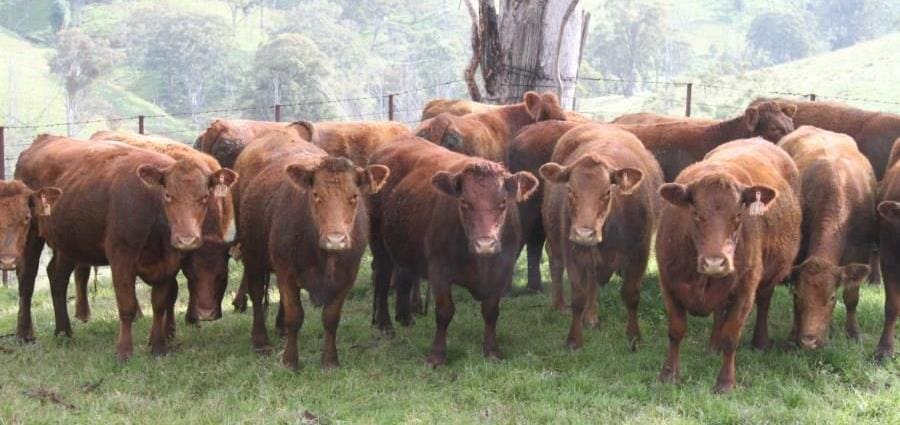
(585, 235)
(486, 246)
(810, 341)
(714, 266)
(7, 262)
(335, 241)
(186, 243)
(208, 315)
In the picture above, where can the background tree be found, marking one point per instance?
(60, 14)
(79, 61)
(847, 22)
(776, 37)
(240, 7)
(290, 69)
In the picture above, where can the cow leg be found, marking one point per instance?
(730, 335)
(715, 337)
(288, 287)
(851, 300)
(671, 369)
(443, 310)
(760, 339)
(124, 275)
(240, 298)
(631, 297)
(557, 267)
(26, 274)
(59, 271)
(82, 306)
(416, 304)
(535, 249)
(160, 296)
(331, 317)
(875, 267)
(382, 272)
(404, 281)
(170, 310)
(254, 281)
(490, 312)
(885, 349)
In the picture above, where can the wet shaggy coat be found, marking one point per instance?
(838, 230)
(600, 162)
(724, 183)
(113, 212)
(679, 144)
(419, 232)
(873, 131)
(888, 208)
(653, 118)
(225, 139)
(531, 148)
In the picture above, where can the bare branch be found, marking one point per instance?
(472, 68)
(562, 31)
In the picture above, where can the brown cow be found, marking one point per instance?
(531, 148)
(838, 230)
(679, 144)
(488, 134)
(20, 211)
(205, 268)
(225, 139)
(460, 107)
(354, 140)
(642, 118)
(874, 132)
(729, 235)
(446, 217)
(600, 210)
(889, 245)
(303, 217)
(138, 211)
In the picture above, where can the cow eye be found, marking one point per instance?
(354, 198)
(167, 197)
(203, 199)
(316, 197)
(465, 205)
(502, 205)
(26, 219)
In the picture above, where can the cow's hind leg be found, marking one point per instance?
(404, 281)
(59, 271)
(82, 306)
(26, 273)
(161, 297)
(444, 310)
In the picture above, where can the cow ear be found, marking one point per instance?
(301, 175)
(676, 194)
(42, 200)
(554, 173)
(788, 109)
(223, 177)
(751, 118)
(758, 198)
(448, 183)
(522, 184)
(452, 141)
(532, 104)
(151, 175)
(374, 177)
(889, 210)
(627, 179)
(853, 274)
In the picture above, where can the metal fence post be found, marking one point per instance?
(140, 124)
(812, 97)
(390, 107)
(687, 99)
(277, 113)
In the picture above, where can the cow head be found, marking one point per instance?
(718, 205)
(206, 268)
(544, 106)
(770, 120)
(186, 190)
(590, 182)
(890, 212)
(334, 188)
(19, 205)
(483, 190)
(816, 283)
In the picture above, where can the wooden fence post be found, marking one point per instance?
(390, 107)
(687, 99)
(812, 97)
(277, 113)
(140, 124)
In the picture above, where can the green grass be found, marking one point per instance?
(213, 376)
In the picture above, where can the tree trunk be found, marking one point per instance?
(518, 49)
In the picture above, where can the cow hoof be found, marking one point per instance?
(853, 333)
(240, 305)
(435, 361)
(591, 322)
(723, 387)
(884, 354)
(573, 344)
(760, 345)
(668, 375)
(123, 356)
(387, 331)
(330, 364)
(493, 354)
(159, 351)
(65, 332)
(25, 336)
(83, 317)
(558, 307)
(406, 321)
(633, 343)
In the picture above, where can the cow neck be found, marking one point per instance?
(514, 117)
(725, 131)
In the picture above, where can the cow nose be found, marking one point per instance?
(713, 265)
(336, 241)
(809, 341)
(186, 243)
(485, 246)
(207, 315)
(584, 235)
(7, 262)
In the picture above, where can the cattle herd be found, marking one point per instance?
(799, 192)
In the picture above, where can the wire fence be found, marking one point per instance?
(601, 98)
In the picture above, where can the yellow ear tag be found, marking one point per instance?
(757, 208)
(45, 206)
(220, 190)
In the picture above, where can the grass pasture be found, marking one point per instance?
(213, 376)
